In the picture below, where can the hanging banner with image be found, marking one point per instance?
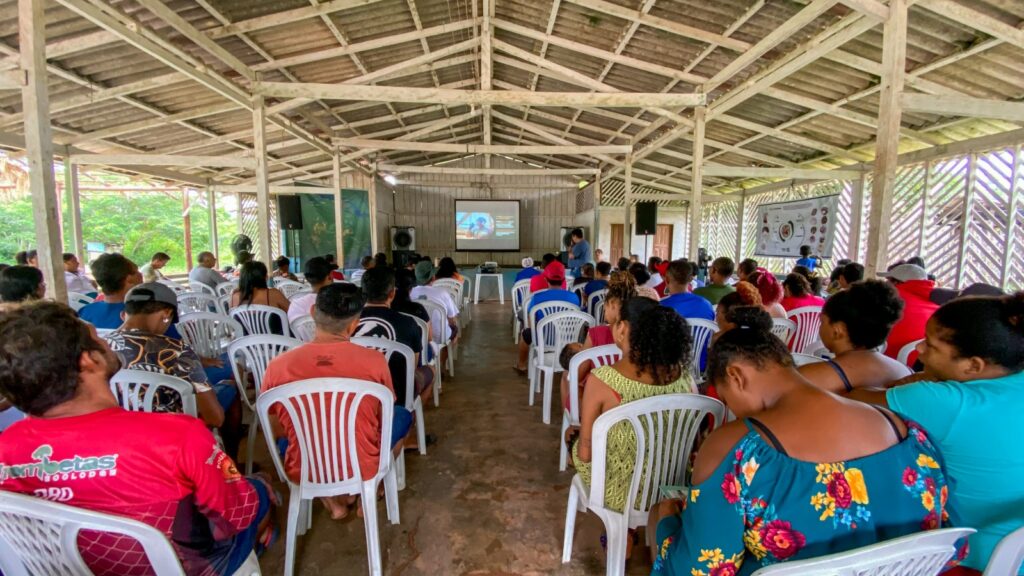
(783, 227)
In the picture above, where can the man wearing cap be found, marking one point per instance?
(915, 289)
(424, 276)
(528, 271)
(554, 274)
(539, 282)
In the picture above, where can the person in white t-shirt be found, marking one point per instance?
(424, 274)
(75, 277)
(318, 274)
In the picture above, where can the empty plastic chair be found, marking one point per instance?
(288, 287)
(77, 301)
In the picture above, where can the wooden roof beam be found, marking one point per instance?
(968, 16)
(285, 17)
(478, 148)
(963, 106)
(872, 8)
(406, 169)
(799, 173)
(163, 160)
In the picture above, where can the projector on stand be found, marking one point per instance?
(489, 268)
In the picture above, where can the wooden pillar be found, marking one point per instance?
(741, 215)
(211, 202)
(697, 180)
(74, 208)
(186, 215)
(339, 213)
(373, 210)
(894, 56)
(627, 228)
(1015, 204)
(856, 217)
(39, 147)
(595, 236)
(259, 124)
(486, 70)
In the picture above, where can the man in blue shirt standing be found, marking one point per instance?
(579, 253)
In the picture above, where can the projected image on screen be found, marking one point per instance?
(486, 225)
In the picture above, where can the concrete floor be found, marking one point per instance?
(486, 500)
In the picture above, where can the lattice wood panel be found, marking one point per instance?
(946, 193)
(1014, 246)
(990, 217)
(719, 227)
(250, 216)
(908, 207)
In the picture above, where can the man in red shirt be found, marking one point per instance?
(80, 448)
(915, 289)
(330, 354)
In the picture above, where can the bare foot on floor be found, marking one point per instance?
(338, 506)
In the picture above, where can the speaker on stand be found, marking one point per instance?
(646, 222)
(289, 215)
(403, 244)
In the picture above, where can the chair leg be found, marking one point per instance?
(451, 363)
(563, 451)
(618, 530)
(291, 533)
(572, 508)
(437, 385)
(372, 532)
(400, 471)
(250, 446)
(549, 377)
(421, 431)
(391, 493)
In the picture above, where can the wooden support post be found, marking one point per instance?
(259, 123)
(39, 147)
(339, 213)
(1015, 204)
(923, 226)
(74, 208)
(627, 228)
(186, 216)
(894, 56)
(857, 218)
(741, 215)
(697, 175)
(487, 69)
(211, 201)
(373, 210)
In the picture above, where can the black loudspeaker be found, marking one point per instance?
(646, 218)
(403, 238)
(289, 212)
(401, 258)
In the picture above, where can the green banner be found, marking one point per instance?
(317, 236)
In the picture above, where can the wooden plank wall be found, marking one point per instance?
(547, 203)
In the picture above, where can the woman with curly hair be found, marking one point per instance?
(651, 364)
(854, 323)
(744, 294)
(800, 473)
(770, 290)
(799, 293)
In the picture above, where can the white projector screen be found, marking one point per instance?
(487, 225)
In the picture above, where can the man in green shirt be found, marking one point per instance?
(721, 270)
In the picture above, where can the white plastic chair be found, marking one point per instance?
(77, 300)
(532, 312)
(287, 287)
(454, 289)
(225, 288)
(440, 340)
(252, 355)
(666, 428)
(300, 293)
(597, 311)
(190, 302)
(596, 297)
(425, 335)
(700, 339)
(921, 554)
(808, 322)
(598, 356)
(413, 403)
(323, 413)
(1008, 555)
(136, 390)
(804, 359)
(904, 354)
(519, 292)
(784, 328)
(467, 289)
(177, 288)
(224, 304)
(553, 332)
(304, 328)
(205, 289)
(209, 334)
(256, 319)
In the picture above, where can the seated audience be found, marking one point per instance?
(600, 280)
(424, 275)
(205, 272)
(405, 281)
(337, 274)
(623, 264)
(807, 260)
(585, 277)
(598, 255)
(116, 275)
(75, 277)
(282, 269)
(680, 299)
(20, 283)
(651, 365)
(657, 278)
(771, 291)
(380, 259)
(852, 272)
(528, 271)
(332, 355)
(812, 278)
(798, 293)
(318, 274)
(253, 289)
(745, 269)
(801, 473)
(915, 289)
(554, 275)
(366, 263)
(21, 258)
(833, 279)
(539, 282)
(854, 323)
(721, 271)
(744, 294)
(446, 269)
(640, 273)
(969, 400)
(151, 270)
(161, 469)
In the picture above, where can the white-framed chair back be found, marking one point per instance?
(597, 311)
(190, 302)
(225, 288)
(287, 287)
(304, 328)
(253, 354)
(203, 288)
(376, 327)
(135, 390)
(808, 321)
(78, 300)
(559, 329)
(305, 291)
(700, 340)
(904, 354)
(41, 537)
(599, 356)
(519, 291)
(783, 328)
(581, 293)
(256, 319)
(595, 297)
(1008, 555)
(207, 333)
(424, 335)
(173, 285)
(546, 309)
(805, 359)
(527, 302)
(389, 348)
(921, 554)
(453, 287)
(438, 319)
(224, 304)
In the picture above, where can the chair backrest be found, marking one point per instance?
(376, 327)
(189, 302)
(784, 328)
(542, 310)
(599, 356)
(555, 331)
(804, 359)
(597, 311)
(808, 321)
(909, 350)
(666, 428)
(304, 328)
(225, 288)
(224, 304)
(258, 319)
(595, 297)
(209, 334)
(203, 288)
(305, 290)
(424, 335)
(42, 538)
(438, 318)
(527, 302)
(581, 293)
(136, 390)
(453, 286)
(700, 335)
(254, 354)
(78, 300)
(287, 287)
(173, 285)
(519, 291)
(1008, 555)
(920, 554)
(322, 412)
(389, 348)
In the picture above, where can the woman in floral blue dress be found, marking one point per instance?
(801, 473)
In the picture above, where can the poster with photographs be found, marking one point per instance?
(784, 227)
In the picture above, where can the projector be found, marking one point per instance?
(489, 268)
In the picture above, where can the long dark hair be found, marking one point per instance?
(405, 281)
(751, 340)
(659, 340)
(252, 278)
(989, 327)
(446, 268)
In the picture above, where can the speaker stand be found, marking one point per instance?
(646, 238)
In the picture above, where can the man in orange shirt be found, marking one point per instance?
(332, 355)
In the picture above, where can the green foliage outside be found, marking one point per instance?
(137, 225)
